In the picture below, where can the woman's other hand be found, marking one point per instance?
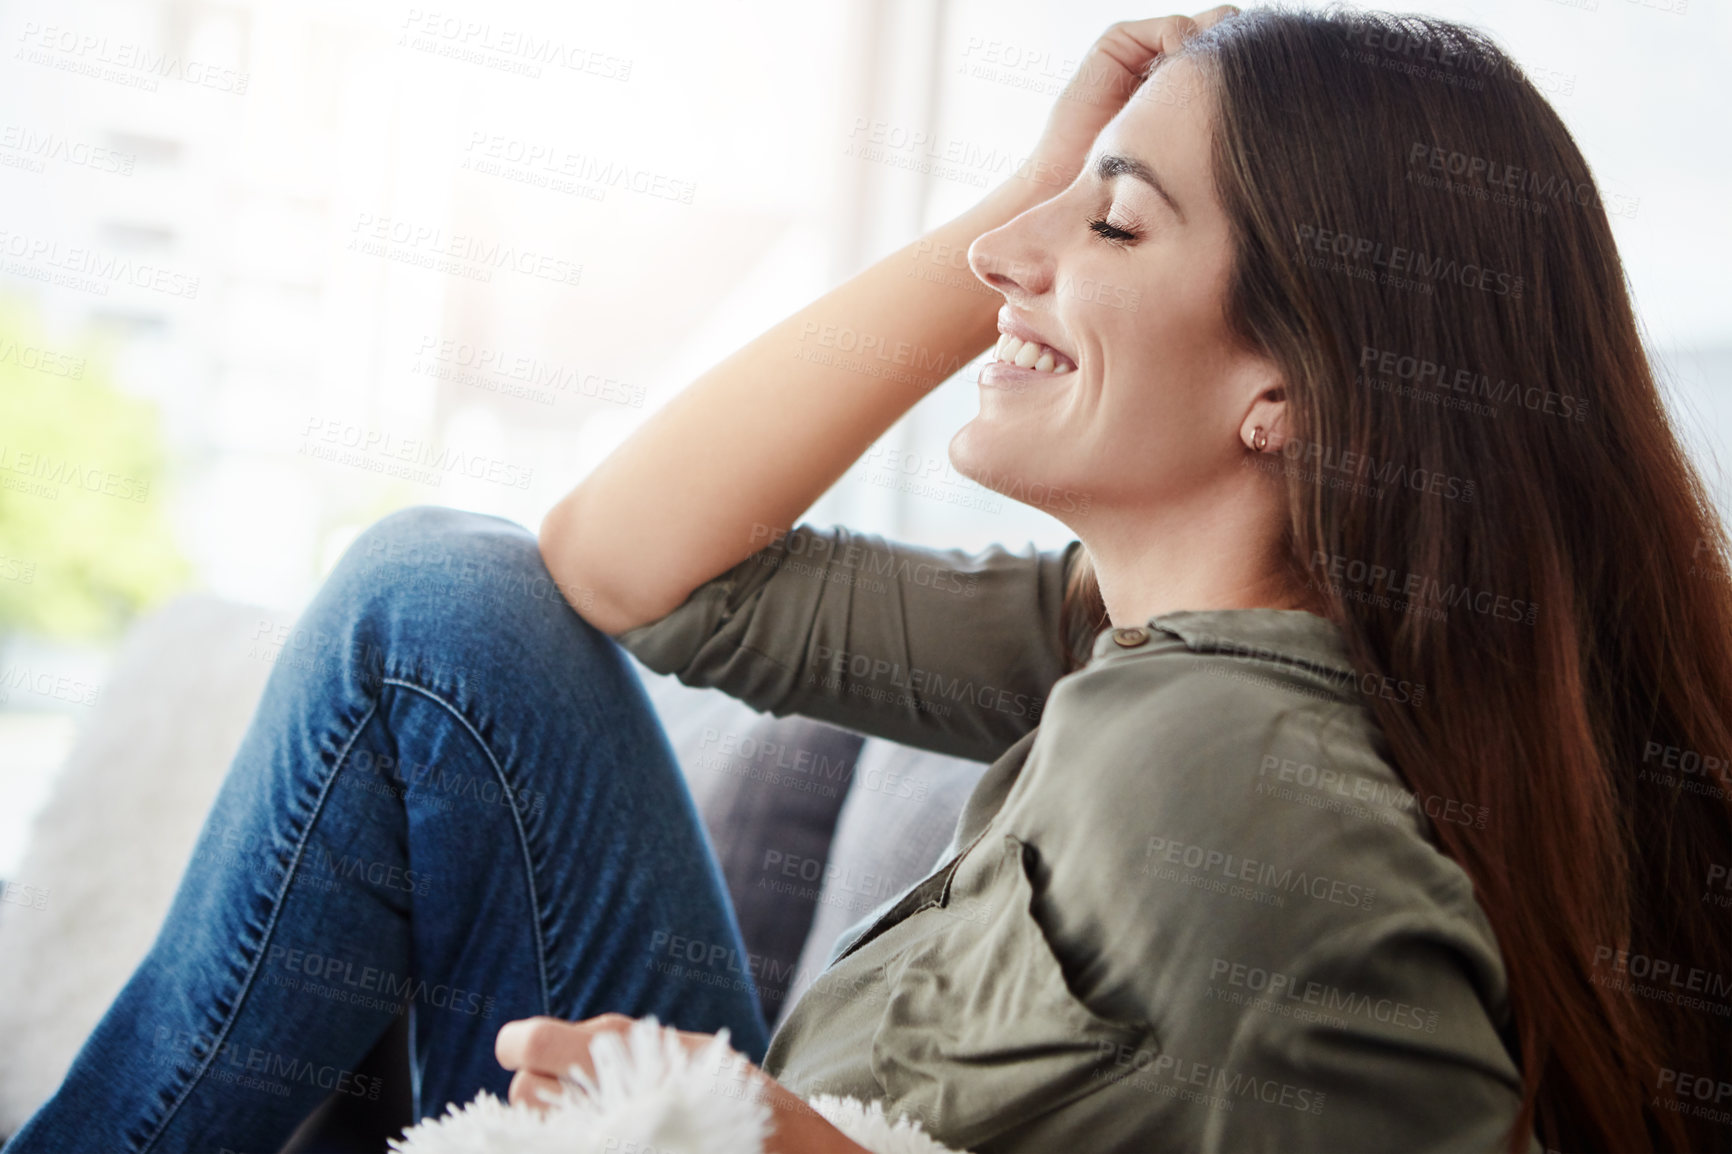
(540, 1050)
(1114, 67)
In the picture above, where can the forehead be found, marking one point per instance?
(1166, 123)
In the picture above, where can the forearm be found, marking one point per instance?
(746, 448)
(799, 1129)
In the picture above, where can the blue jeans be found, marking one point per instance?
(454, 796)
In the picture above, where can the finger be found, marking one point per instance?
(541, 1044)
(1134, 43)
(611, 1020)
(1214, 15)
(511, 1041)
(527, 1089)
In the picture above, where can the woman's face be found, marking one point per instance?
(1123, 275)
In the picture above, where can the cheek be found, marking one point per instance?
(1156, 368)
(1168, 354)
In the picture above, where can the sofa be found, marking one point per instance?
(815, 828)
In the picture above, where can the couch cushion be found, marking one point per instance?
(898, 818)
(782, 784)
(117, 830)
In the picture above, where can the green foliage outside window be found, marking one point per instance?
(84, 542)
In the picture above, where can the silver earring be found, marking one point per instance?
(1259, 439)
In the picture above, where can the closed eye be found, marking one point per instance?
(1111, 232)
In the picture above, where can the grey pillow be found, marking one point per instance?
(776, 788)
(900, 813)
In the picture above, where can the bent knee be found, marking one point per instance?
(411, 535)
(435, 547)
(456, 552)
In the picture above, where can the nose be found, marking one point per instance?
(1011, 259)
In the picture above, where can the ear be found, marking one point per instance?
(1268, 410)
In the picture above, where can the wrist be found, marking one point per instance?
(796, 1128)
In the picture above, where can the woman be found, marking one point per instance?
(1341, 796)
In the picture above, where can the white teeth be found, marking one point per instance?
(1029, 355)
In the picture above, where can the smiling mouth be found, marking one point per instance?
(1031, 355)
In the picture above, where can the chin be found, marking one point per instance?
(975, 452)
(1016, 463)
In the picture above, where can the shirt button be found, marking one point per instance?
(1131, 635)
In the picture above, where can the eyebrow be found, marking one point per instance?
(1112, 165)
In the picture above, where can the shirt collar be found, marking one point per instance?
(1291, 637)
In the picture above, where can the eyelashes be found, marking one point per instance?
(1112, 233)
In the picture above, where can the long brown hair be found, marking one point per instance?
(1491, 500)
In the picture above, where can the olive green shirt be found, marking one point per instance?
(1190, 906)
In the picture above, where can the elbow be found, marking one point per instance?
(571, 561)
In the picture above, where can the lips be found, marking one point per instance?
(1021, 345)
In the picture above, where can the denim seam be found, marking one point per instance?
(516, 819)
(270, 928)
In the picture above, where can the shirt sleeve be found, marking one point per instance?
(941, 649)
